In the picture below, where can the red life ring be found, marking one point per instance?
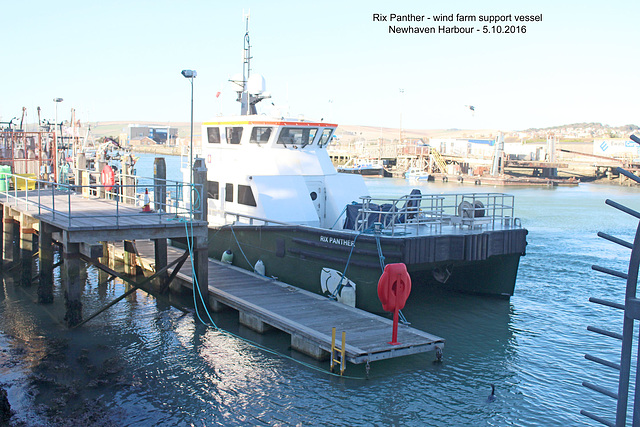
(108, 178)
(394, 287)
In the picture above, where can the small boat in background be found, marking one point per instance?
(416, 174)
(366, 167)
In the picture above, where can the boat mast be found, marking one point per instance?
(247, 100)
(246, 71)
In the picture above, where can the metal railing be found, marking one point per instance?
(32, 194)
(422, 213)
(631, 309)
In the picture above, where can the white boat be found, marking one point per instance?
(274, 196)
(416, 174)
(366, 167)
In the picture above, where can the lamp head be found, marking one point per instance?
(189, 74)
(57, 99)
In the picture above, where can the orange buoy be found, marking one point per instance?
(108, 178)
(394, 288)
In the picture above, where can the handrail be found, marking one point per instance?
(490, 210)
(50, 195)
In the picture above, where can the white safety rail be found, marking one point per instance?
(427, 214)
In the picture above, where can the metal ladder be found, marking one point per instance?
(631, 308)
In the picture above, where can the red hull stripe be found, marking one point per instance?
(251, 122)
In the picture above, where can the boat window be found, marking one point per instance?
(213, 135)
(245, 195)
(228, 190)
(234, 134)
(297, 136)
(260, 135)
(213, 190)
(325, 137)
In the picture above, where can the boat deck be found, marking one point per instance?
(303, 314)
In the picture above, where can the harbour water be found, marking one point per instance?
(144, 363)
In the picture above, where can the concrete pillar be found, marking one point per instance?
(308, 347)
(73, 284)
(201, 264)
(200, 181)
(45, 285)
(216, 306)
(253, 323)
(160, 184)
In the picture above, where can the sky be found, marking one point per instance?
(117, 60)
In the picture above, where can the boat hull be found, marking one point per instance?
(305, 257)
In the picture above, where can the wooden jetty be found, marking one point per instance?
(86, 221)
(263, 302)
(81, 220)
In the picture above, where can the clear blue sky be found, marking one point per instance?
(121, 60)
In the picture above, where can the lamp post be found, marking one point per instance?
(55, 144)
(190, 74)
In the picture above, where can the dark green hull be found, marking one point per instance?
(479, 263)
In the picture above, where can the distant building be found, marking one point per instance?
(479, 148)
(165, 135)
(618, 148)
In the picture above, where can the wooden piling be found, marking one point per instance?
(129, 258)
(27, 247)
(10, 236)
(45, 285)
(72, 283)
(128, 190)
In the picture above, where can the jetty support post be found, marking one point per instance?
(160, 201)
(28, 245)
(81, 169)
(128, 190)
(45, 285)
(11, 228)
(200, 187)
(200, 240)
(129, 258)
(101, 164)
(72, 282)
(201, 266)
(2, 239)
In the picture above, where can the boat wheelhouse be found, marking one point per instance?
(274, 169)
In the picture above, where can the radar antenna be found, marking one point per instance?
(246, 99)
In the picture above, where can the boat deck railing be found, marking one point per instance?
(420, 213)
(46, 197)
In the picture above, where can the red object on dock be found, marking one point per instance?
(108, 177)
(394, 288)
(146, 207)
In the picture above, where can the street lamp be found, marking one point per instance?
(55, 144)
(190, 74)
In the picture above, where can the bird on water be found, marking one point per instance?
(492, 396)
